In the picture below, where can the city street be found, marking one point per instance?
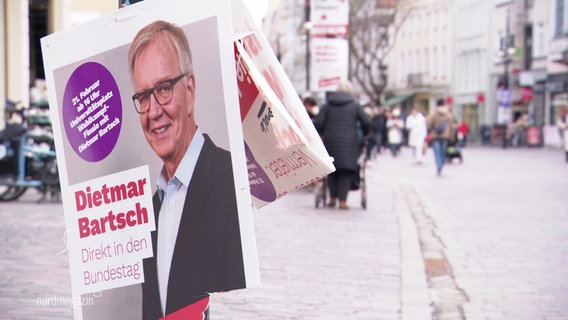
(487, 240)
(491, 232)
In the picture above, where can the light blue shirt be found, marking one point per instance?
(173, 193)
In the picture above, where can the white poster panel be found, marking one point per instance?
(284, 151)
(120, 129)
(329, 63)
(329, 17)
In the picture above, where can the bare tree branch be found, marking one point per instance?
(370, 44)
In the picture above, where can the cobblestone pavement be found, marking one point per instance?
(34, 276)
(324, 263)
(501, 219)
(484, 241)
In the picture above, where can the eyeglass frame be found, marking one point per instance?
(150, 92)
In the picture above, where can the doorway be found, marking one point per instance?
(471, 116)
(37, 30)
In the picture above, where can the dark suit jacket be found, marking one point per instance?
(207, 256)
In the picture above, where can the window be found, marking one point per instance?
(402, 67)
(565, 18)
(426, 63)
(560, 28)
(443, 63)
(392, 72)
(431, 64)
(417, 62)
(435, 19)
(539, 46)
(435, 63)
(409, 63)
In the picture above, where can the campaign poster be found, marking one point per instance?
(283, 149)
(330, 60)
(330, 18)
(152, 166)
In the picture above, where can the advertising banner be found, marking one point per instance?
(504, 100)
(284, 151)
(155, 191)
(329, 18)
(330, 59)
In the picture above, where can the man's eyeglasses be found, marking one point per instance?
(163, 93)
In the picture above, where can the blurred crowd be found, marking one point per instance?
(353, 134)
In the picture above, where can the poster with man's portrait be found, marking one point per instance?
(149, 141)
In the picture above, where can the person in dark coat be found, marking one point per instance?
(343, 124)
(311, 106)
(381, 124)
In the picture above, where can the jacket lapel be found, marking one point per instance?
(194, 211)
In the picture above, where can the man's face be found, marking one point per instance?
(168, 128)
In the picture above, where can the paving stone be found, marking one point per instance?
(485, 241)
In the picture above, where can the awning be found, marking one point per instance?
(560, 57)
(397, 99)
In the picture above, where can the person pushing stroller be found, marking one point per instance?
(343, 124)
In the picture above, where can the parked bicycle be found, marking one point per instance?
(27, 153)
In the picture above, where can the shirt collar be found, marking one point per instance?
(184, 171)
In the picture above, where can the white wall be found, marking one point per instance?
(17, 50)
(423, 44)
(471, 33)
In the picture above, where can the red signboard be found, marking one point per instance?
(533, 136)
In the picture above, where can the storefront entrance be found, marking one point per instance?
(470, 114)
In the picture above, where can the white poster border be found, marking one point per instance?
(118, 29)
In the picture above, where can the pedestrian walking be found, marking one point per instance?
(562, 123)
(374, 138)
(342, 123)
(417, 131)
(311, 106)
(440, 131)
(463, 132)
(395, 125)
(381, 123)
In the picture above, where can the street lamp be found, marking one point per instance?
(307, 28)
(506, 51)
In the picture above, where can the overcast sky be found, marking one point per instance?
(257, 8)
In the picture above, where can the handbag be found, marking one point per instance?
(441, 127)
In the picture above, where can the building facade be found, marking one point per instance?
(493, 61)
(286, 29)
(556, 26)
(24, 23)
(421, 63)
(473, 58)
(463, 51)
(544, 69)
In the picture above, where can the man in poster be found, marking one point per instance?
(197, 245)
